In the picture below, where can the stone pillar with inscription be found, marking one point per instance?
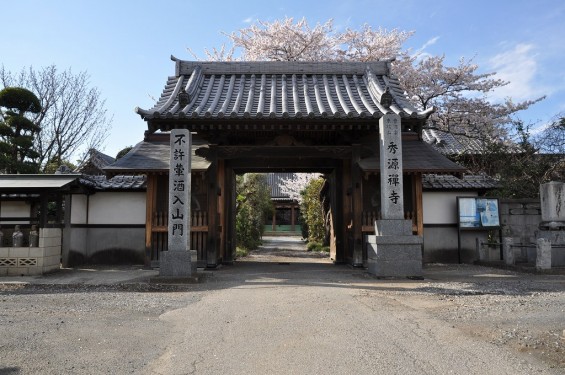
(179, 261)
(393, 251)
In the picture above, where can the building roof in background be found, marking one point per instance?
(33, 183)
(152, 155)
(281, 90)
(450, 144)
(101, 182)
(275, 182)
(449, 182)
(95, 162)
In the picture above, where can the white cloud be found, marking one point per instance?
(519, 67)
(430, 42)
(248, 20)
(420, 52)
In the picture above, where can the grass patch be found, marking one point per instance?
(317, 247)
(241, 252)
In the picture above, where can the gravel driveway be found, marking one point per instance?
(284, 311)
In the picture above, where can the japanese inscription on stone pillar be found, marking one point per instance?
(390, 132)
(179, 190)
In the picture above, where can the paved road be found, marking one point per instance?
(277, 317)
(280, 311)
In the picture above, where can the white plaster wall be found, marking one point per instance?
(441, 207)
(117, 208)
(78, 209)
(14, 209)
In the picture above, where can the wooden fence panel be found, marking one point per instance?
(198, 234)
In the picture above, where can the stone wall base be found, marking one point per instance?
(32, 261)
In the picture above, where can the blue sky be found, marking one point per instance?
(125, 46)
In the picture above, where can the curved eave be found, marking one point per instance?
(288, 91)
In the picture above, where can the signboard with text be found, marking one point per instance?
(478, 213)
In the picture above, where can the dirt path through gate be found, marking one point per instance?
(285, 249)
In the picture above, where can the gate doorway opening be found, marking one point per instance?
(269, 221)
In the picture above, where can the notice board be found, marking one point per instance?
(478, 213)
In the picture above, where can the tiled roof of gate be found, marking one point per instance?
(280, 90)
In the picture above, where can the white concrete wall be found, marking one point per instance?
(117, 208)
(109, 208)
(78, 209)
(15, 209)
(441, 207)
(100, 237)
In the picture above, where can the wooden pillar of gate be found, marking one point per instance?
(212, 184)
(356, 207)
(337, 227)
(221, 209)
(229, 220)
(418, 205)
(343, 211)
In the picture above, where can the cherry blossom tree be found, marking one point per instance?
(460, 97)
(295, 186)
(285, 40)
(305, 188)
(459, 94)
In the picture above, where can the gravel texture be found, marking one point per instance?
(274, 313)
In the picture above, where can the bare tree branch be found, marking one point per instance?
(73, 117)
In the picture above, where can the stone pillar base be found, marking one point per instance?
(177, 265)
(395, 252)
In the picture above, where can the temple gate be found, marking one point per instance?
(284, 117)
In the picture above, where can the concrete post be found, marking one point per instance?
(484, 255)
(508, 250)
(543, 254)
